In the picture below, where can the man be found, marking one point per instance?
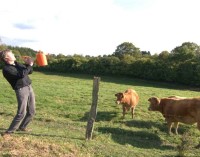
(17, 75)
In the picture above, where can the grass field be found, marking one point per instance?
(63, 102)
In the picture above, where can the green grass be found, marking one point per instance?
(63, 102)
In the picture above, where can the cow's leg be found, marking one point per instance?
(132, 111)
(176, 127)
(198, 125)
(169, 124)
(124, 111)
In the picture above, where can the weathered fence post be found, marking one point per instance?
(93, 110)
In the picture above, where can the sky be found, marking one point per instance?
(97, 27)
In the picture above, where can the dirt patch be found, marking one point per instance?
(23, 146)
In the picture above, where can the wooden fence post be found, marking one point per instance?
(93, 110)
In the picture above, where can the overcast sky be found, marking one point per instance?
(97, 27)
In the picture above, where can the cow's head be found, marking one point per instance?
(154, 104)
(120, 97)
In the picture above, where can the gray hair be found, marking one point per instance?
(3, 54)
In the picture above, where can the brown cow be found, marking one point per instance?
(175, 110)
(177, 97)
(129, 100)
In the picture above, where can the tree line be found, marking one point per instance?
(181, 65)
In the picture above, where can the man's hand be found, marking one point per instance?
(28, 60)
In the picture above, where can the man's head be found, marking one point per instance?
(7, 56)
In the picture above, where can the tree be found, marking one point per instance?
(146, 53)
(1, 41)
(187, 50)
(163, 55)
(60, 55)
(127, 48)
(3, 47)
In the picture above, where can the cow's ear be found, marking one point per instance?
(116, 94)
(154, 100)
(157, 100)
(151, 99)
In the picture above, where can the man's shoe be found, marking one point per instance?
(24, 130)
(6, 134)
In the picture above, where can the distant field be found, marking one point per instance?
(63, 102)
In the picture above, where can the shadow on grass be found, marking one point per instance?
(3, 129)
(140, 139)
(6, 114)
(147, 124)
(43, 135)
(159, 125)
(2, 113)
(47, 135)
(101, 116)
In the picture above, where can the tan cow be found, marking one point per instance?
(129, 100)
(175, 110)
